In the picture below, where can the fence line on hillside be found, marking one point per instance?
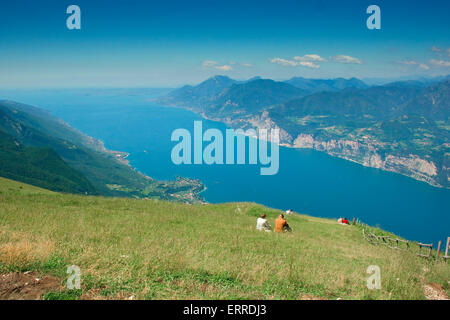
(395, 243)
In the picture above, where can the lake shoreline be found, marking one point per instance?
(367, 163)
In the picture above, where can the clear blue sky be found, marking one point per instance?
(169, 43)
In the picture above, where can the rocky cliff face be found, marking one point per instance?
(368, 155)
(363, 153)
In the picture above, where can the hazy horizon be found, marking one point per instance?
(172, 43)
(370, 81)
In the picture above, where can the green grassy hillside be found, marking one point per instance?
(40, 167)
(153, 249)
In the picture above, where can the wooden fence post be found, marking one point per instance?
(446, 249)
(438, 250)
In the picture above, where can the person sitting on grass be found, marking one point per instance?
(281, 224)
(343, 221)
(263, 224)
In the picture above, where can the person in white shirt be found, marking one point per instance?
(262, 224)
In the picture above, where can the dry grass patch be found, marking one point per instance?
(21, 249)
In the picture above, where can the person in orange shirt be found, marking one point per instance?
(281, 224)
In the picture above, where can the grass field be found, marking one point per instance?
(154, 249)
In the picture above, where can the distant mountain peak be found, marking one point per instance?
(254, 78)
(336, 84)
(219, 78)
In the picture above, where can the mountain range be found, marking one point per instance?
(217, 90)
(401, 126)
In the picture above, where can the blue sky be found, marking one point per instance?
(170, 43)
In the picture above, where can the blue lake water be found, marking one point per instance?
(308, 182)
